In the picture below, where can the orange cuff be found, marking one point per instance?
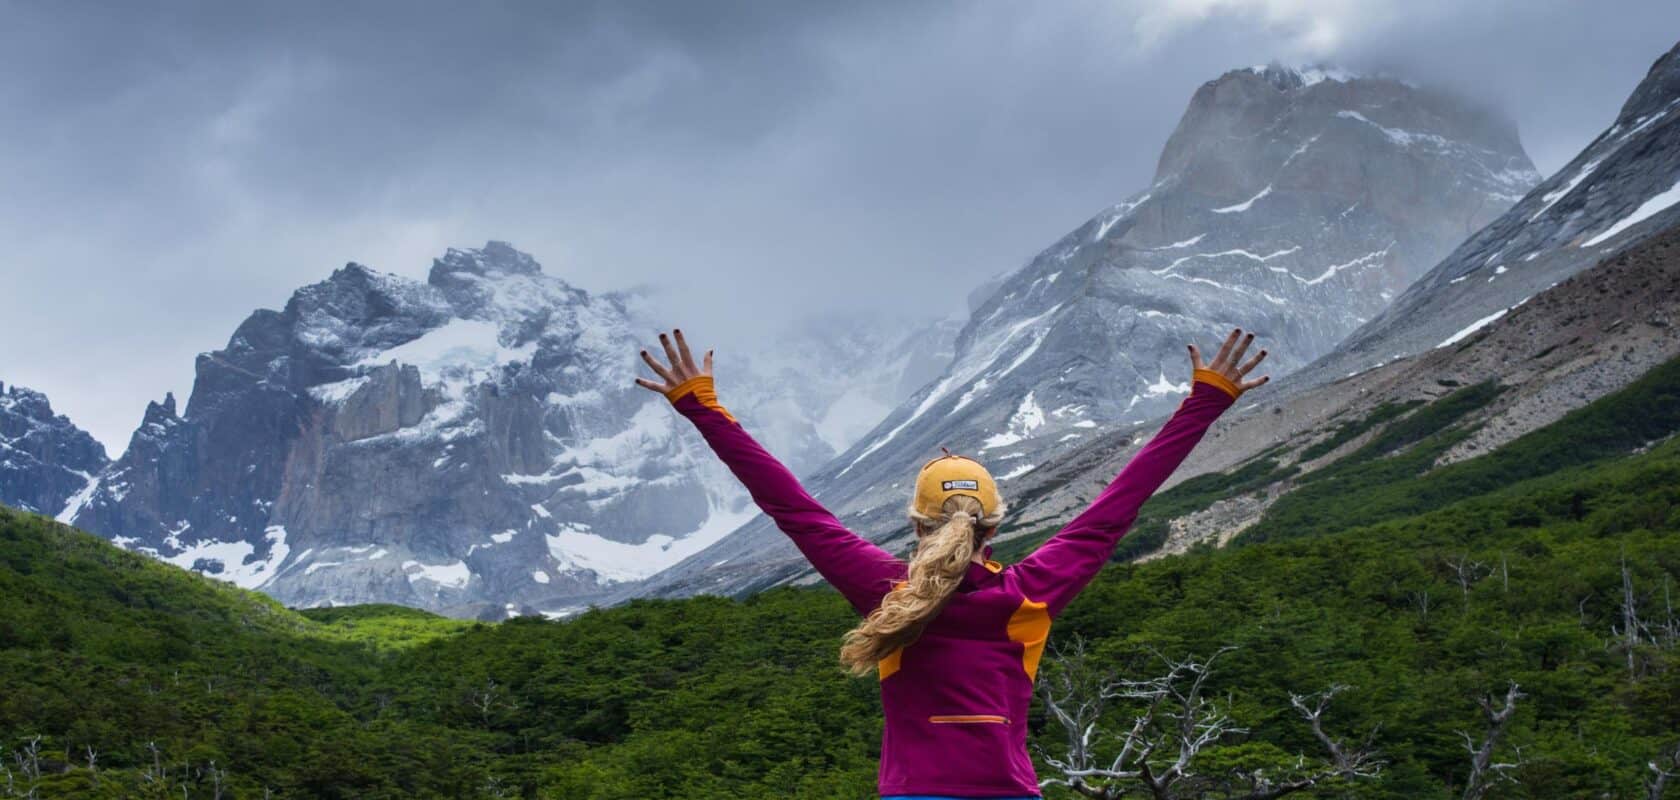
(701, 387)
(1217, 381)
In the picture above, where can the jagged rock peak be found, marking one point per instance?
(161, 412)
(356, 284)
(26, 401)
(44, 457)
(493, 257)
(33, 406)
(1289, 79)
(1656, 92)
(1273, 116)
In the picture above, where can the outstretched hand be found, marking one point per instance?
(1227, 361)
(680, 366)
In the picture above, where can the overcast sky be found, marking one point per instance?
(166, 168)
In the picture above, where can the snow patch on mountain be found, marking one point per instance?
(575, 547)
(453, 575)
(1028, 417)
(78, 500)
(234, 562)
(1246, 204)
(1651, 207)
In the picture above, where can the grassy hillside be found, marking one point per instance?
(1421, 589)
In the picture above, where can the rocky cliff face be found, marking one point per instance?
(472, 445)
(44, 458)
(1570, 295)
(1621, 189)
(1294, 203)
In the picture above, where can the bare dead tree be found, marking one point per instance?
(93, 763)
(1466, 573)
(1360, 762)
(157, 772)
(1173, 722)
(1077, 693)
(487, 698)
(216, 776)
(1663, 769)
(1420, 601)
(1483, 769)
(1631, 631)
(28, 761)
(496, 787)
(1635, 631)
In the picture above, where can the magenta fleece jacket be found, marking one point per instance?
(955, 702)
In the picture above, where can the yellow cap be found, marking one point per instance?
(950, 475)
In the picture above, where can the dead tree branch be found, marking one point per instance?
(1172, 723)
(1483, 769)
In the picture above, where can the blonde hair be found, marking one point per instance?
(941, 559)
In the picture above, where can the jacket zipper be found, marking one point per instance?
(967, 719)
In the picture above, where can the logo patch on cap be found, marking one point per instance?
(973, 486)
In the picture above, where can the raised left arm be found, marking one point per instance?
(857, 567)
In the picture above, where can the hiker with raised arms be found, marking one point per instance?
(955, 637)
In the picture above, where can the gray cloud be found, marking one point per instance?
(167, 168)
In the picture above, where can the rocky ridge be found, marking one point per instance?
(44, 458)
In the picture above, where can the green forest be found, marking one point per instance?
(1420, 593)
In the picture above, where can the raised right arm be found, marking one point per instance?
(1061, 567)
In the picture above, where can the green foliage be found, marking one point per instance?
(1427, 422)
(1364, 487)
(1352, 579)
(383, 626)
(1378, 608)
(1349, 431)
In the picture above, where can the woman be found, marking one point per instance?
(955, 637)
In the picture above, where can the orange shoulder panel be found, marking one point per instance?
(889, 665)
(1030, 625)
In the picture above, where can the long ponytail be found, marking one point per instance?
(941, 559)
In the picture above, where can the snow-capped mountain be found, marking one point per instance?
(1528, 301)
(1294, 203)
(1622, 188)
(44, 458)
(472, 444)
